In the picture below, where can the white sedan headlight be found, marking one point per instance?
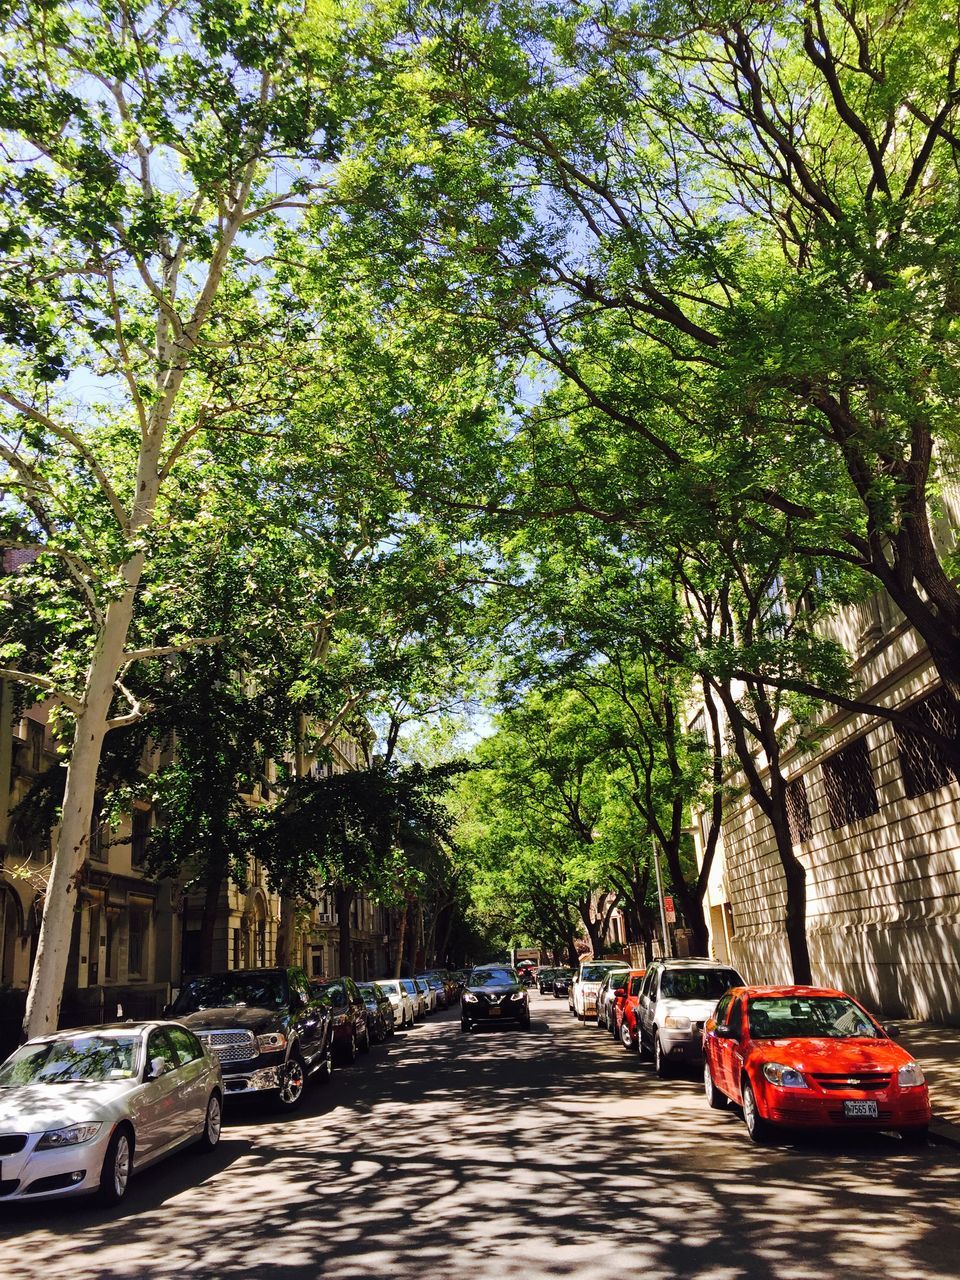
(910, 1075)
(69, 1136)
(785, 1077)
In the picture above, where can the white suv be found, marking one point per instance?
(583, 989)
(404, 1013)
(675, 1000)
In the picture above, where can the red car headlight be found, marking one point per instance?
(784, 1077)
(910, 1075)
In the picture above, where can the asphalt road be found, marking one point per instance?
(509, 1156)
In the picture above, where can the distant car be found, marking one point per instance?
(675, 1000)
(81, 1111)
(545, 981)
(267, 1030)
(436, 985)
(417, 996)
(348, 1015)
(562, 978)
(404, 1009)
(380, 1019)
(810, 1057)
(429, 995)
(606, 996)
(494, 994)
(624, 1026)
(586, 985)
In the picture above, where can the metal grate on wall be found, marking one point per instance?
(922, 764)
(798, 811)
(848, 779)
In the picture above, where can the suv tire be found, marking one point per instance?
(291, 1092)
(660, 1064)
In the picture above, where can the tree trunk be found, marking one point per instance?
(208, 918)
(53, 946)
(287, 932)
(770, 798)
(401, 931)
(344, 900)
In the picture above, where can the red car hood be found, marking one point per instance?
(832, 1056)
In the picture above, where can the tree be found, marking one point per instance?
(357, 831)
(734, 246)
(145, 338)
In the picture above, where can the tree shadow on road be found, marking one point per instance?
(510, 1155)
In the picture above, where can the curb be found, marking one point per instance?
(945, 1132)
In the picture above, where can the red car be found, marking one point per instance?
(623, 1015)
(806, 1057)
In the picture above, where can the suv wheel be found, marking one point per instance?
(660, 1065)
(294, 1082)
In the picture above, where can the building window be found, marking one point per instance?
(798, 811)
(848, 779)
(113, 945)
(140, 826)
(35, 745)
(137, 942)
(237, 950)
(922, 764)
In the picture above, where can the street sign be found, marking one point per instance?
(669, 910)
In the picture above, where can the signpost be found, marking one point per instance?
(669, 911)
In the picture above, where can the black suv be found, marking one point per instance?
(263, 1025)
(493, 994)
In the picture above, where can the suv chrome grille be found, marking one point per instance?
(230, 1046)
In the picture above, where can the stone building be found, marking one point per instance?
(875, 819)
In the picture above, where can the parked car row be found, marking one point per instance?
(789, 1056)
(128, 1094)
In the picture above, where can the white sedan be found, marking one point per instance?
(81, 1111)
(586, 986)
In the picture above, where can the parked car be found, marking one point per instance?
(494, 994)
(435, 985)
(562, 978)
(348, 1016)
(585, 986)
(606, 995)
(380, 1020)
(675, 1000)
(810, 1057)
(81, 1111)
(545, 981)
(626, 995)
(265, 1028)
(417, 995)
(404, 1009)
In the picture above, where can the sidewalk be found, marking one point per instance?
(937, 1049)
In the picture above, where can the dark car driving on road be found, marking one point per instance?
(494, 994)
(263, 1026)
(561, 983)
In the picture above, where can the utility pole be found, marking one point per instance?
(667, 948)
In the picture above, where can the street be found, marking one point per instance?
(504, 1154)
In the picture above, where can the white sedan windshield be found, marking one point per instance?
(83, 1058)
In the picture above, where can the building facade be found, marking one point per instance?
(874, 815)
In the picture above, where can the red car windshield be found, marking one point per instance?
(821, 1017)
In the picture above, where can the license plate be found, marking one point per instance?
(865, 1110)
(494, 1011)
